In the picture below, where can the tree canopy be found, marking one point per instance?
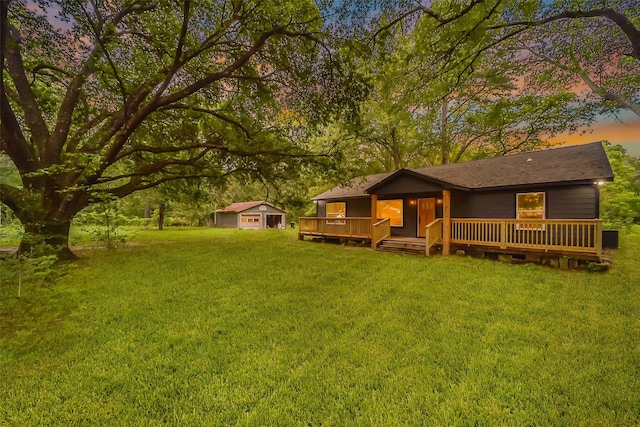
(621, 198)
(446, 86)
(101, 99)
(565, 43)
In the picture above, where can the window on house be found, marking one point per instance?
(391, 209)
(530, 206)
(336, 210)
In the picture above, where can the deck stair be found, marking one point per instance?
(408, 246)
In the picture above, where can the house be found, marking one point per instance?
(254, 215)
(529, 205)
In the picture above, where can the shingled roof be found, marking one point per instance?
(355, 188)
(572, 164)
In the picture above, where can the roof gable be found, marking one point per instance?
(406, 181)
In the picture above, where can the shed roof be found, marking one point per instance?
(243, 206)
(572, 164)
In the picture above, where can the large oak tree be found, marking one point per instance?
(102, 98)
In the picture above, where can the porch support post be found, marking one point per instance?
(598, 239)
(374, 218)
(446, 222)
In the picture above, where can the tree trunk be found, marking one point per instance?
(47, 238)
(46, 214)
(147, 210)
(395, 151)
(444, 136)
(160, 216)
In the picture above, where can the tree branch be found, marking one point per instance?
(210, 112)
(595, 88)
(12, 197)
(429, 12)
(12, 140)
(65, 113)
(97, 30)
(128, 188)
(177, 62)
(27, 99)
(142, 113)
(619, 19)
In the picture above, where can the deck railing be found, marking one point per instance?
(433, 234)
(359, 228)
(559, 235)
(381, 230)
(549, 235)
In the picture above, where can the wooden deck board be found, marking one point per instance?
(335, 235)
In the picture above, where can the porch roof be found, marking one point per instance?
(573, 164)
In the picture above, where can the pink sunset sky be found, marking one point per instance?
(625, 132)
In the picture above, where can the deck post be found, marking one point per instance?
(598, 239)
(374, 218)
(426, 246)
(446, 222)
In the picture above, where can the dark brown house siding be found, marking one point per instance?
(576, 202)
(409, 221)
(359, 207)
(499, 204)
(566, 202)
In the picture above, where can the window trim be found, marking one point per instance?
(543, 210)
(401, 211)
(334, 215)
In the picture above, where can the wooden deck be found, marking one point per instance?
(346, 228)
(351, 228)
(566, 237)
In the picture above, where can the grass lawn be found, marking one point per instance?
(229, 327)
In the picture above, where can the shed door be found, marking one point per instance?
(274, 220)
(426, 214)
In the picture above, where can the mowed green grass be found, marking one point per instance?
(228, 327)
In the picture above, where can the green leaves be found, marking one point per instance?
(620, 207)
(117, 97)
